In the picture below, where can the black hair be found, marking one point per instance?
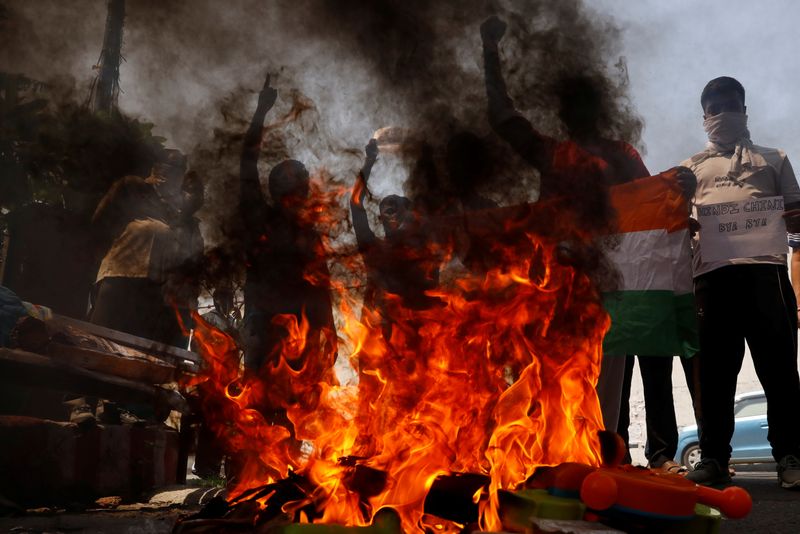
(172, 157)
(286, 178)
(582, 102)
(591, 89)
(397, 200)
(723, 84)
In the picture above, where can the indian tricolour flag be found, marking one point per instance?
(652, 308)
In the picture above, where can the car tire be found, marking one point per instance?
(691, 455)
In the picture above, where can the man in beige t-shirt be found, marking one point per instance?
(155, 246)
(742, 288)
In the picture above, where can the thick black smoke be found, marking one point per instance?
(194, 68)
(412, 63)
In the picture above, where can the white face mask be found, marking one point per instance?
(727, 128)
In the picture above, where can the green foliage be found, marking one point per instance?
(51, 151)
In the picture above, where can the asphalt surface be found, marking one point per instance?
(775, 510)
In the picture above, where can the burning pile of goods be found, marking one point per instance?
(459, 409)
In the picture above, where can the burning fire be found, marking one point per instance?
(435, 397)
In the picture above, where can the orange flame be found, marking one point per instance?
(434, 397)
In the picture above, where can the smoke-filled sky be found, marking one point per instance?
(192, 67)
(368, 67)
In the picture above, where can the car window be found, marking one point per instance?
(751, 407)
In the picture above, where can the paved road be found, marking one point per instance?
(775, 510)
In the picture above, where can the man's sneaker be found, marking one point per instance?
(128, 418)
(789, 471)
(708, 472)
(82, 415)
(108, 413)
(112, 414)
(671, 467)
(80, 412)
(207, 472)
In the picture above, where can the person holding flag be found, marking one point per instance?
(607, 187)
(747, 198)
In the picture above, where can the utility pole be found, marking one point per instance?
(105, 87)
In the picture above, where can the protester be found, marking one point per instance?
(287, 274)
(742, 291)
(587, 162)
(149, 274)
(155, 246)
(400, 267)
(210, 452)
(184, 277)
(224, 315)
(661, 426)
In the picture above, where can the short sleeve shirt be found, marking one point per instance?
(770, 175)
(145, 249)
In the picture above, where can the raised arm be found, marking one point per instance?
(251, 199)
(364, 234)
(109, 205)
(128, 198)
(517, 131)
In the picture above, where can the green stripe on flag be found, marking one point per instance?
(650, 323)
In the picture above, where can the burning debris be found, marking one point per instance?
(561, 498)
(477, 336)
(434, 397)
(534, 316)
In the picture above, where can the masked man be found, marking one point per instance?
(741, 284)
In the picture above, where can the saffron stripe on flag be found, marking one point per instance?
(649, 204)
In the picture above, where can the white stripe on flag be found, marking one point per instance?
(653, 260)
(681, 245)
